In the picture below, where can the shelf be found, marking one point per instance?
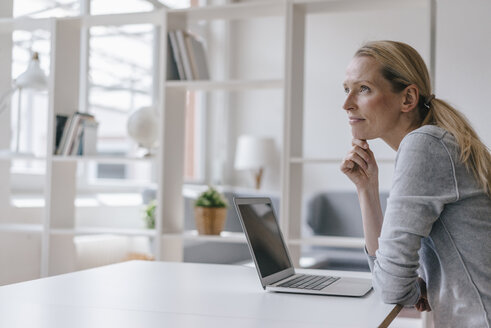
(224, 237)
(102, 159)
(60, 158)
(29, 228)
(319, 7)
(229, 11)
(148, 17)
(301, 160)
(10, 156)
(331, 241)
(232, 85)
(8, 25)
(239, 237)
(102, 230)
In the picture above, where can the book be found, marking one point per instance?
(197, 58)
(63, 140)
(88, 139)
(176, 54)
(61, 121)
(172, 65)
(181, 42)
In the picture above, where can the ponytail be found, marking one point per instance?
(473, 152)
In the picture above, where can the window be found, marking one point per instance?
(46, 8)
(119, 81)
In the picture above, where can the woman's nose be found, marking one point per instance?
(348, 102)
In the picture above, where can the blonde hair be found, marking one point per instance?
(402, 66)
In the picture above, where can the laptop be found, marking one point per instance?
(273, 263)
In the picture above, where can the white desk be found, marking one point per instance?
(163, 294)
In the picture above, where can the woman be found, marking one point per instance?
(433, 247)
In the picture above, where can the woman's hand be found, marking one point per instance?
(360, 165)
(422, 304)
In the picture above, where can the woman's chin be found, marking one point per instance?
(361, 135)
(358, 134)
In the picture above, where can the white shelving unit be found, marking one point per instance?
(292, 157)
(58, 225)
(57, 228)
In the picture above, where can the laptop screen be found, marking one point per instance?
(265, 237)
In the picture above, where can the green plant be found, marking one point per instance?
(150, 214)
(211, 198)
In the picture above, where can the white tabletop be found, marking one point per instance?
(164, 294)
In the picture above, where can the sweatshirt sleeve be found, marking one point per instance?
(423, 182)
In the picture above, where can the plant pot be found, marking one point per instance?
(210, 220)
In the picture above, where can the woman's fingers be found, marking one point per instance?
(360, 143)
(362, 153)
(422, 305)
(352, 169)
(356, 159)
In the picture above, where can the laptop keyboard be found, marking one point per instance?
(310, 282)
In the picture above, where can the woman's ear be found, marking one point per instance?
(410, 98)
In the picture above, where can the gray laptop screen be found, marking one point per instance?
(265, 238)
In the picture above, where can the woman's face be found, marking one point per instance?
(373, 108)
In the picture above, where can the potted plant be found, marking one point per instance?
(210, 212)
(150, 214)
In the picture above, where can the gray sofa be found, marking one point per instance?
(337, 214)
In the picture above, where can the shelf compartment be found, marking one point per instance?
(224, 237)
(102, 230)
(331, 241)
(231, 85)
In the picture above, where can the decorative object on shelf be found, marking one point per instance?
(254, 153)
(210, 212)
(143, 128)
(33, 78)
(76, 134)
(150, 214)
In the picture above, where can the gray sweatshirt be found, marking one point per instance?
(437, 225)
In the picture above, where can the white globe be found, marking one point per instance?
(143, 127)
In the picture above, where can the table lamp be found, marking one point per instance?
(254, 153)
(32, 78)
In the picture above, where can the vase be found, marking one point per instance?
(210, 220)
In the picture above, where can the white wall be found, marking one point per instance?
(463, 62)
(463, 73)
(259, 112)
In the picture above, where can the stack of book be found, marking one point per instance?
(187, 57)
(76, 134)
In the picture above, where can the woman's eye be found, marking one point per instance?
(346, 90)
(364, 88)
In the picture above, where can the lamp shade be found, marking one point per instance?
(34, 76)
(253, 152)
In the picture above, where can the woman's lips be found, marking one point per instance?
(354, 120)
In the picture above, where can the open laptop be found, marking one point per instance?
(273, 263)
